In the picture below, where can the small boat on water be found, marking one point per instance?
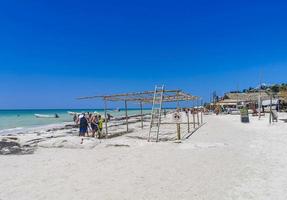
(73, 113)
(117, 110)
(46, 116)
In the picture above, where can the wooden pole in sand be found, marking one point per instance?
(197, 114)
(141, 104)
(188, 126)
(201, 113)
(106, 119)
(259, 97)
(177, 100)
(178, 124)
(193, 116)
(270, 111)
(278, 104)
(178, 131)
(259, 104)
(127, 118)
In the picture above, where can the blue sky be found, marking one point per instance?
(54, 51)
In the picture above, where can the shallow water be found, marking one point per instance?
(17, 120)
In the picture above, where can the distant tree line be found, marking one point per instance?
(274, 88)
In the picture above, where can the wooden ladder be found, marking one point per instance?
(156, 113)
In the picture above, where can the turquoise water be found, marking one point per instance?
(18, 119)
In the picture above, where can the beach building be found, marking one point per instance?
(231, 100)
(229, 103)
(251, 99)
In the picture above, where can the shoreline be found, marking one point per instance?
(32, 129)
(55, 126)
(20, 120)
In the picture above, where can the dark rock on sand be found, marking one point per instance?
(10, 147)
(70, 126)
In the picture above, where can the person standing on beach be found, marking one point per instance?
(100, 122)
(83, 125)
(75, 118)
(90, 117)
(94, 124)
(109, 116)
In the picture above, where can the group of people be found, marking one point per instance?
(90, 125)
(192, 110)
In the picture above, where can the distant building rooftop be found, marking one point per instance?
(246, 97)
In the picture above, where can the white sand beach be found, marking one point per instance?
(224, 159)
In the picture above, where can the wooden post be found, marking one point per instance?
(259, 103)
(177, 101)
(278, 104)
(127, 118)
(270, 111)
(106, 119)
(178, 131)
(141, 105)
(197, 114)
(177, 125)
(188, 126)
(193, 115)
(201, 113)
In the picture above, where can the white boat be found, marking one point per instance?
(73, 113)
(46, 116)
(117, 110)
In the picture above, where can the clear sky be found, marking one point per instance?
(54, 51)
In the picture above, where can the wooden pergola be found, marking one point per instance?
(145, 97)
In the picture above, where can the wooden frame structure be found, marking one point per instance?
(145, 97)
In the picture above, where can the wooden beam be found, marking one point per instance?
(127, 94)
(146, 96)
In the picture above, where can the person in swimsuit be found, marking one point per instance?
(94, 124)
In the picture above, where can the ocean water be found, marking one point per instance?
(17, 120)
